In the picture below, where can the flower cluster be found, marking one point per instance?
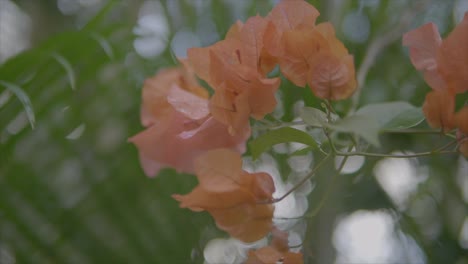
(444, 64)
(194, 133)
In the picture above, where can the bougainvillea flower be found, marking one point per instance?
(444, 62)
(453, 57)
(234, 197)
(240, 90)
(178, 125)
(439, 109)
(423, 44)
(155, 90)
(251, 35)
(276, 252)
(287, 15)
(316, 57)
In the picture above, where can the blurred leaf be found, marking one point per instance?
(362, 126)
(406, 119)
(392, 115)
(281, 135)
(24, 98)
(68, 68)
(313, 116)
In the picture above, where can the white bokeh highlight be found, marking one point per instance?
(152, 30)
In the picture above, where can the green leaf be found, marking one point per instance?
(363, 126)
(406, 119)
(392, 115)
(281, 135)
(24, 98)
(313, 116)
(67, 67)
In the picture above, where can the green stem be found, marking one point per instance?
(306, 178)
(411, 131)
(369, 154)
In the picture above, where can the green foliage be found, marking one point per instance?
(277, 136)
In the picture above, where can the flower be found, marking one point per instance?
(444, 64)
(235, 69)
(235, 198)
(308, 53)
(277, 251)
(178, 124)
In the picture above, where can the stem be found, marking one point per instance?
(411, 131)
(373, 50)
(285, 124)
(306, 178)
(329, 188)
(369, 154)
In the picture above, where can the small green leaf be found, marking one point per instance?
(406, 119)
(363, 126)
(24, 98)
(105, 45)
(313, 116)
(281, 135)
(385, 113)
(68, 68)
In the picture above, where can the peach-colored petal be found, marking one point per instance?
(231, 110)
(149, 166)
(232, 196)
(334, 45)
(277, 251)
(219, 170)
(192, 106)
(246, 222)
(439, 109)
(177, 140)
(453, 57)
(251, 36)
(234, 31)
(155, 91)
(423, 44)
(300, 48)
(292, 14)
(332, 78)
(200, 199)
(227, 50)
(262, 96)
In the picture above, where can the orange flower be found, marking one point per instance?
(231, 195)
(424, 43)
(277, 251)
(309, 54)
(251, 35)
(444, 62)
(439, 109)
(234, 69)
(178, 124)
(453, 57)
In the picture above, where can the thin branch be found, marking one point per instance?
(306, 178)
(374, 49)
(381, 155)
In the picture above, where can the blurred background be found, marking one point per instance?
(71, 187)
